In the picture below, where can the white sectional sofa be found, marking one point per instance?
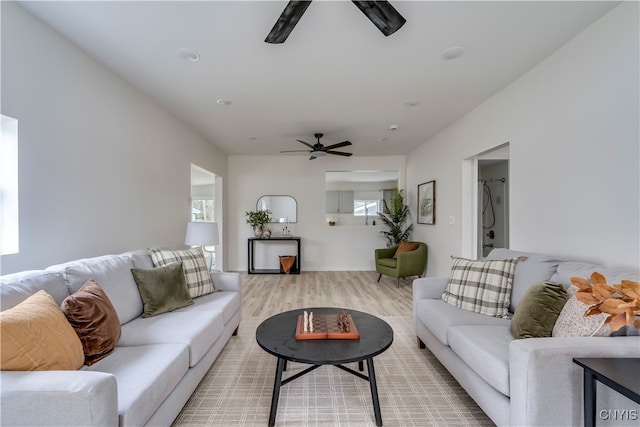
(520, 382)
(155, 366)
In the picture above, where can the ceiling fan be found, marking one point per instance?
(319, 150)
(381, 13)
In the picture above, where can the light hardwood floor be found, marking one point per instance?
(414, 388)
(266, 295)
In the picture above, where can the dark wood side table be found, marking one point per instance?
(622, 375)
(276, 336)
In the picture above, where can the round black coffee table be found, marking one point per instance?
(276, 335)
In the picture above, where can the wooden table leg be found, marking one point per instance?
(276, 392)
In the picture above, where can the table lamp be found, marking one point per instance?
(202, 234)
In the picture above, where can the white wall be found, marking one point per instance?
(572, 125)
(102, 168)
(339, 248)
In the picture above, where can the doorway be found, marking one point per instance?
(493, 205)
(481, 209)
(206, 205)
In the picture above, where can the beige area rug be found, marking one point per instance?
(414, 389)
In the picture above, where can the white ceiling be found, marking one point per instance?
(336, 73)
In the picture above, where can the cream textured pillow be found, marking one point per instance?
(196, 273)
(481, 286)
(573, 323)
(36, 336)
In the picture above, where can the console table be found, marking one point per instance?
(618, 374)
(250, 248)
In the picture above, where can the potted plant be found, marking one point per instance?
(257, 220)
(394, 215)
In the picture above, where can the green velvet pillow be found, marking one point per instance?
(538, 310)
(162, 289)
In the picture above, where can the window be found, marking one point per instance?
(366, 207)
(203, 194)
(202, 210)
(9, 230)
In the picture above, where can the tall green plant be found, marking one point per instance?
(394, 215)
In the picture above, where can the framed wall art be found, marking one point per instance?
(427, 203)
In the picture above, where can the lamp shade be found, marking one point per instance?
(202, 233)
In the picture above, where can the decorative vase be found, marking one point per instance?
(266, 233)
(257, 231)
(332, 223)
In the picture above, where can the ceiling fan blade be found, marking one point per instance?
(295, 151)
(288, 19)
(305, 143)
(338, 145)
(312, 158)
(382, 14)
(340, 153)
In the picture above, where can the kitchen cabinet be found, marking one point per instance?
(339, 201)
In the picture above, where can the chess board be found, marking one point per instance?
(325, 327)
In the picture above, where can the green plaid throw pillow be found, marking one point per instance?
(195, 268)
(481, 286)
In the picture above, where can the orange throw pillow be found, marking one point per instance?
(405, 247)
(37, 337)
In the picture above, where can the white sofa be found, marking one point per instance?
(520, 382)
(152, 372)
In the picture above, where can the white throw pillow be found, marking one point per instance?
(573, 323)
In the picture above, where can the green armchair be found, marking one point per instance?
(412, 263)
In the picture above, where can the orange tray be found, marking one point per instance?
(325, 327)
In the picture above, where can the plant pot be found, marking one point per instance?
(257, 231)
(332, 223)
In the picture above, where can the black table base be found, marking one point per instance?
(281, 365)
(276, 335)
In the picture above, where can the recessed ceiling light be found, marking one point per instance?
(188, 54)
(222, 101)
(452, 53)
(393, 127)
(382, 139)
(411, 103)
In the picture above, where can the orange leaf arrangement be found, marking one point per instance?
(621, 301)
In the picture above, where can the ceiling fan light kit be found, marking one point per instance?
(384, 16)
(319, 150)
